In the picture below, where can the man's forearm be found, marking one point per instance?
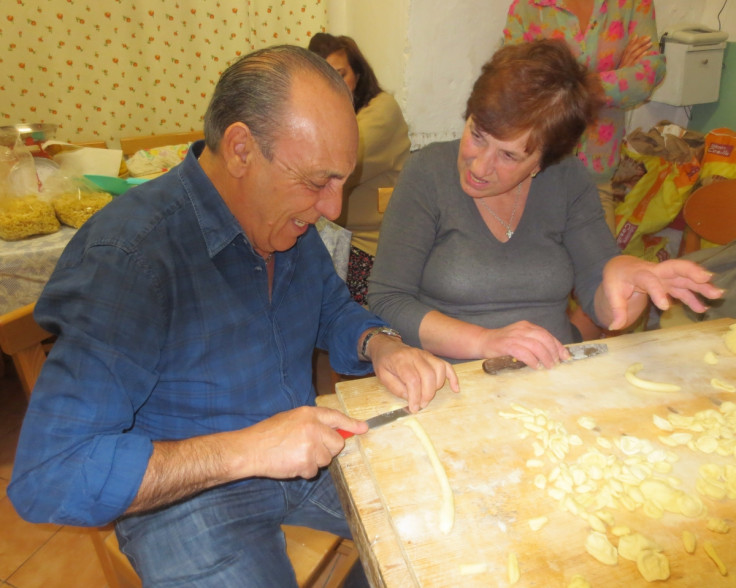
(178, 469)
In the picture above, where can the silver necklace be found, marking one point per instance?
(506, 225)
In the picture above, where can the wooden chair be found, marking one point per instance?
(319, 558)
(384, 195)
(710, 214)
(94, 144)
(22, 339)
(131, 145)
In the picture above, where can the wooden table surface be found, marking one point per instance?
(392, 496)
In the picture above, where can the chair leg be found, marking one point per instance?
(339, 566)
(334, 379)
(99, 543)
(588, 329)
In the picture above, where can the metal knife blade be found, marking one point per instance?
(580, 351)
(381, 419)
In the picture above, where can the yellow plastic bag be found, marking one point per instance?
(653, 203)
(719, 159)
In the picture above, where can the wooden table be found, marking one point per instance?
(392, 496)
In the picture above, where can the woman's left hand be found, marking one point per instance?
(627, 281)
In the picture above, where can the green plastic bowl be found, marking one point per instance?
(114, 185)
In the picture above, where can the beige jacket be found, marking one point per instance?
(383, 148)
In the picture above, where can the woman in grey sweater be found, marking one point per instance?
(485, 238)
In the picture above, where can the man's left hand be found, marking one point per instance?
(410, 373)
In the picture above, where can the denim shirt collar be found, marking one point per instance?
(218, 225)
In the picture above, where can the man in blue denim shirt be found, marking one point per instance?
(178, 398)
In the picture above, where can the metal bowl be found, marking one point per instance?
(37, 131)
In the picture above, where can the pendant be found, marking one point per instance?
(509, 233)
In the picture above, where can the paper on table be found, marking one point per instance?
(86, 160)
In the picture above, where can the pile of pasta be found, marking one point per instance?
(27, 216)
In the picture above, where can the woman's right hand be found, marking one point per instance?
(526, 342)
(456, 339)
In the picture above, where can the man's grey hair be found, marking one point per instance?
(255, 90)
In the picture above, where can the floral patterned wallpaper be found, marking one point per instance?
(113, 68)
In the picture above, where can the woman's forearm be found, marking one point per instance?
(449, 337)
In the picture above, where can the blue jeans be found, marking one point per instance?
(230, 535)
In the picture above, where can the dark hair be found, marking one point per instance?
(367, 88)
(256, 90)
(537, 86)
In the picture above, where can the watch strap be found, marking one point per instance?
(376, 331)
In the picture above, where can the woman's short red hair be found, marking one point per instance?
(539, 87)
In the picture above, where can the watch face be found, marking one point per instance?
(390, 332)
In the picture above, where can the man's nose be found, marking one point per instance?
(330, 204)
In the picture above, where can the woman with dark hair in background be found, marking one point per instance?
(383, 148)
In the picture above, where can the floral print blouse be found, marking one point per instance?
(599, 47)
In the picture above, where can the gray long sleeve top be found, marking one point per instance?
(435, 252)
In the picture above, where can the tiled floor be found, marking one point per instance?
(50, 556)
(31, 556)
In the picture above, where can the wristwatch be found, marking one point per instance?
(377, 331)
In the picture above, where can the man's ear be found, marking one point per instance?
(237, 147)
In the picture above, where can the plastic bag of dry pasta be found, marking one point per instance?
(74, 199)
(26, 216)
(24, 211)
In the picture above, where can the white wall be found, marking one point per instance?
(379, 27)
(429, 52)
(448, 43)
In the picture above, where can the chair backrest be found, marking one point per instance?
(131, 145)
(22, 339)
(384, 195)
(94, 144)
(710, 214)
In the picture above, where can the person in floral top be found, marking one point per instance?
(613, 38)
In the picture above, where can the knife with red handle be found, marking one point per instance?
(381, 419)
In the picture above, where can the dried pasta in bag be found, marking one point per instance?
(76, 207)
(26, 216)
(74, 199)
(24, 212)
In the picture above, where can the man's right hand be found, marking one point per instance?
(295, 443)
(291, 444)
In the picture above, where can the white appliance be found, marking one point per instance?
(694, 56)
